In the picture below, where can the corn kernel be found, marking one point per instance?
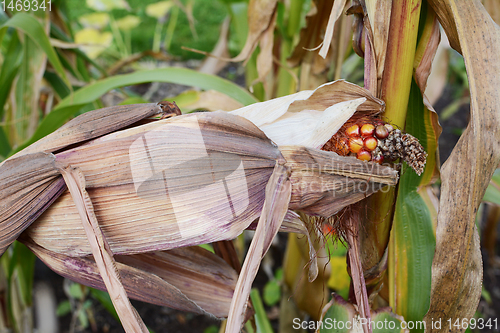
(378, 159)
(381, 132)
(342, 147)
(355, 144)
(352, 131)
(367, 130)
(370, 143)
(364, 155)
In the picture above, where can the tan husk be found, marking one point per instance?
(189, 279)
(101, 251)
(167, 184)
(134, 209)
(29, 184)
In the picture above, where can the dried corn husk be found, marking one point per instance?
(169, 184)
(244, 156)
(189, 279)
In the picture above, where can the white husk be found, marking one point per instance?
(311, 128)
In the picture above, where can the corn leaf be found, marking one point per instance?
(9, 69)
(337, 314)
(261, 320)
(457, 269)
(394, 90)
(30, 26)
(412, 238)
(260, 16)
(277, 196)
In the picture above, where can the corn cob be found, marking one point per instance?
(372, 139)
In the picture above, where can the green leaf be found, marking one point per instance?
(23, 261)
(387, 322)
(57, 84)
(63, 308)
(83, 319)
(339, 317)
(492, 194)
(9, 70)
(413, 237)
(261, 320)
(211, 329)
(5, 147)
(133, 100)
(272, 292)
(105, 300)
(31, 27)
(72, 103)
(75, 290)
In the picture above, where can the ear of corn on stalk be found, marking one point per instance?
(138, 194)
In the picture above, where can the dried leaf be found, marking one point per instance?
(260, 17)
(213, 65)
(343, 180)
(311, 128)
(91, 125)
(278, 191)
(316, 20)
(493, 8)
(457, 269)
(438, 78)
(28, 185)
(165, 170)
(210, 100)
(320, 99)
(379, 15)
(140, 284)
(426, 51)
(265, 57)
(101, 251)
(338, 7)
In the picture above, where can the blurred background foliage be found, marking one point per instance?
(83, 55)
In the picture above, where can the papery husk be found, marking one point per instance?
(93, 124)
(140, 218)
(127, 172)
(323, 97)
(278, 192)
(189, 279)
(171, 183)
(343, 180)
(457, 265)
(101, 251)
(29, 184)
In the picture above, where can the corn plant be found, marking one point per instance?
(406, 254)
(406, 233)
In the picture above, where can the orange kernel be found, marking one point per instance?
(370, 143)
(364, 155)
(342, 147)
(352, 130)
(355, 144)
(367, 130)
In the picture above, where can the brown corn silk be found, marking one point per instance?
(166, 185)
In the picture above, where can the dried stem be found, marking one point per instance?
(358, 279)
